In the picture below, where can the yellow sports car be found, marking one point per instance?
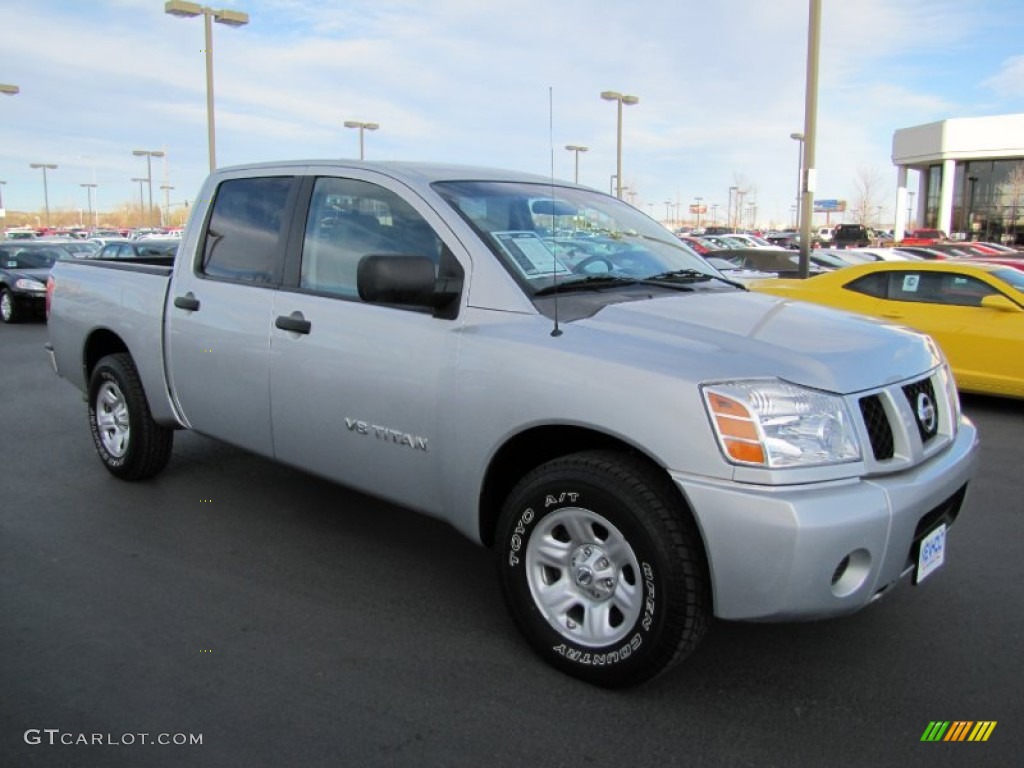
(974, 311)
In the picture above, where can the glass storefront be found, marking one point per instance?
(988, 199)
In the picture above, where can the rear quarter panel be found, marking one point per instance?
(124, 300)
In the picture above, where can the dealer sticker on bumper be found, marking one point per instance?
(932, 553)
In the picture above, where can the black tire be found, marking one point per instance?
(603, 569)
(8, 306)
(130, 444)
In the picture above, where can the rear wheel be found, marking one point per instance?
(129, 442)
(603, 569)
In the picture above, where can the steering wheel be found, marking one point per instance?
(582, 265)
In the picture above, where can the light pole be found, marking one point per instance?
(808, 174)
(699, 201)
(46, 191)
(799, 139)
(149, 154)
(167, 203)
(88, 193)
(362, 127)
(668, 212)
(142, 203)
(576, 148)
(230, 18)
(629, 101)
(729, 217)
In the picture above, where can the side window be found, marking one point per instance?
(938, 288)
(914, 286)
(870, 285)
(350, 219)
(244, 240)
(963, 291)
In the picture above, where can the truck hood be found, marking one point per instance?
(719, 336)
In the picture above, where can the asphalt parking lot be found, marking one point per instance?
(289, 622)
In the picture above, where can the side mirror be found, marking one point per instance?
(1000, 302)
(407, 280)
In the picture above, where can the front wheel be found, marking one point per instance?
(8, 308)
(603, 569)
(129, 442)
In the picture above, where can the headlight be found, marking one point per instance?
(772, 423)
(24, 284)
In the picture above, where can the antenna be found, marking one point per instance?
(556, 331)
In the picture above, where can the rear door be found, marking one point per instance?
(221, 311)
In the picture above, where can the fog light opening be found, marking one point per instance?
(851, 572)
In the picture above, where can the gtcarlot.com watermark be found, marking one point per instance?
(55, 736)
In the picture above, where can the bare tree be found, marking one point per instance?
(868, 194)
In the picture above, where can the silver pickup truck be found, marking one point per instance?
(643, 443)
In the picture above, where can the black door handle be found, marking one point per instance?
(294, 322)
(188, 301)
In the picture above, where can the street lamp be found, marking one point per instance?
(88, 193)
(167, 203)
(230, 18)
(142, 202)
(46, 191)
(699, 200)
(362, 127)
(629, 101)
(149, 154)
(9, 90)
(729, 217)
(799, 139)
(577, 149)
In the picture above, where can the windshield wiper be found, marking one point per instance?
(694, 275)
(587, 283)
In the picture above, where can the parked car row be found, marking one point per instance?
(25, 265)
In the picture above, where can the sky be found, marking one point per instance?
(721, 86)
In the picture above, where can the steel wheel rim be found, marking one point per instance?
(112, 419)
(6, 306)
(584, 577)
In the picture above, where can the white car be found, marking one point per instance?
(824, 234)
(881, 254)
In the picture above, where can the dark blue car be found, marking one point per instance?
(24, 267)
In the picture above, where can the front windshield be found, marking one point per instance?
(548, 235)
(35, 258)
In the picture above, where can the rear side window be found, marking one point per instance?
(871, 285)
(245, 239)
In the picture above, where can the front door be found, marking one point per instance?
(354, 386)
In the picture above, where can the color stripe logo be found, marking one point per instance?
(958, 730)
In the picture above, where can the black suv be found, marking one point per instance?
(851, 236)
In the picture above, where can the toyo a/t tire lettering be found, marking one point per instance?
(603, 569)
(131, 445)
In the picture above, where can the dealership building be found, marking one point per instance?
(970, 177)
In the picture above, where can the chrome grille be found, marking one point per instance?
(879, 430)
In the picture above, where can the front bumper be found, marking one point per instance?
(777, 552)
